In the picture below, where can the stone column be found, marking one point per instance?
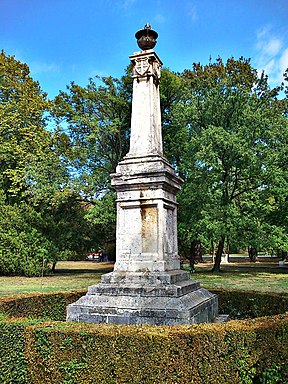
(146, 133)
(145, 182)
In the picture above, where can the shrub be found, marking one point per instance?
(251, 304)
(236, 352)
(50, 306)
(247, 351)
(22, 245)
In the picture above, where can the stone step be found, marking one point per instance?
(195, 307)
(171, 290)
(221, 319)
(146, 278)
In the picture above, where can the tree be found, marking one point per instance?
(23, 247)
(233, 134)
(22, 136)
(34, 185)
(96, 118)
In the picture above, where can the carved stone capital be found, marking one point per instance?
(146, 64)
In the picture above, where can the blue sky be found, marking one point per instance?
(72, 40)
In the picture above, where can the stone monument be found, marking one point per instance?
(147, 285)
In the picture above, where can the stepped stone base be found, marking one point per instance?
(162, 298)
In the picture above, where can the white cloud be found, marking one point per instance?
(159, 19)
(269, 66)
(96, 73)
(271, 54)
(283, 62)
(192, 11)
(126, 4)
(38, 67)
(273, 47)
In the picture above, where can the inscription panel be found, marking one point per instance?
(149, 229)
(169, 231)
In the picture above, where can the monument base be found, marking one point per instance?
(165, 298)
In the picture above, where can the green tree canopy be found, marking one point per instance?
(34, 185)
(96, 118)
(224, 129)
(231, 135)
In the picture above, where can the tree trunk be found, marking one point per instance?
(212, 250)
(218, 257)
(191, 258)
(228, 251)
(252, 252)
(196, 251)
(54, 266)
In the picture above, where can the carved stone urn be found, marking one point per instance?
(146, 38)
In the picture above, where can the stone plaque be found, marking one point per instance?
(149, 229)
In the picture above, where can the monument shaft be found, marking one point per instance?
(146, 133)
(145, 182)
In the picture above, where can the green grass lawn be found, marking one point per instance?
(69, 276)
(264, 276)
(245, 277)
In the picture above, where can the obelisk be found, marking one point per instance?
(147, 285)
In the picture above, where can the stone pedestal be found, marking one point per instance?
(146, 215)
(147, 285)
(157, 298)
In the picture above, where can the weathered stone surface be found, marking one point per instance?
(146, 134)
(146, 278)
(146, 215)
(167, 304)
(147, 285)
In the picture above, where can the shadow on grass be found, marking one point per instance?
(99, 271)
(240, 267)
(82, 267)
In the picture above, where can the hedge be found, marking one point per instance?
(238, 304)
(246, 351)
(250, 351)
(251, 304)
(49, 306)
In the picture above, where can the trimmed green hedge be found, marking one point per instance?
(52, 306)
(250, 351)
(246, 351)
(251, 304)
(13, 363)
(49, 306)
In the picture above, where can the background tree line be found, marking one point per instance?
(224, 130)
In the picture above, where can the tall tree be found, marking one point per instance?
(233, 139)
(34, 183)
(22, 136)
(96, 118)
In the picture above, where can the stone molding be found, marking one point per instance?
(146, 64)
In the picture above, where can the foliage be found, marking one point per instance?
(53, 352)
(96, 119)
(23, 139)
(238, 304)
(102, 216)
(231, 132)
(50, 306)
(13, 363)
(248, 351)
(225, 131)
(43, 218)
(250, 304)
(22, 245)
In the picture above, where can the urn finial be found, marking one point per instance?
(146, 37)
